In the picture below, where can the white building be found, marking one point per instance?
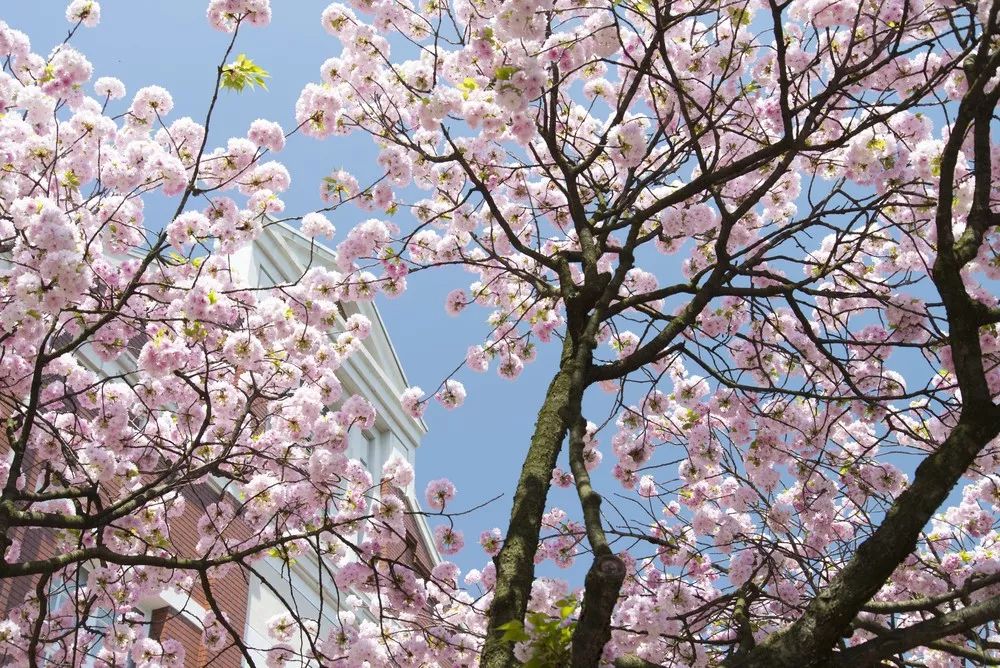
(280, 255)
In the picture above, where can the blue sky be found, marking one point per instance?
(479, 446)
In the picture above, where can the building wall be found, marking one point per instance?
(228, 592)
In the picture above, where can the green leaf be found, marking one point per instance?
(936, 165)
(243, 72)
(740, 16)
(48, 74)
(70, 179)
(505, 73)
(467, 86)
(877, 144)
(513, 631)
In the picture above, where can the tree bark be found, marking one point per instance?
(515, 563)
(894, 641)
(604, 580)
(593, 630)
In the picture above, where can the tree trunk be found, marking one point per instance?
(607, 572)
(593, 629)
(515, 563)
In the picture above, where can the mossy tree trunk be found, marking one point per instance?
(515, 563)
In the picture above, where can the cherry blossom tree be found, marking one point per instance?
(764, 230)
(767, 230)
(167, 425)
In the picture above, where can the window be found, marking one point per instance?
(65, 618)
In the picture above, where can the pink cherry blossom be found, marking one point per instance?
(317, 225)
(439, 492)
(267, 134)
(412, 400)
(448, 540)
(451, 395)
(87, 12)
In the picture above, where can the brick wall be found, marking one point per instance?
(35, 543)
(169, 623)
(230, 592)
(417, 555)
